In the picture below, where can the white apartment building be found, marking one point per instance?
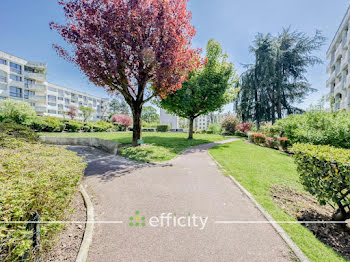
(167, 119)
(339, 65)
(26, 81)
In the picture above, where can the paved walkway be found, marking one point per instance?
(191, 183)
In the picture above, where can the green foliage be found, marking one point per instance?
(272, 142)
(119, 106)
(206, 90)
(284, 143)
(317, 127)
(102, 126)
(271, 130)
(34, 178)
(48, 124)
(214, 129)
(17, 111)
(150, 114)
(87, 112)
(163, 128)
(229, 124)
(325, 173)
(14, 130)
(240, 133)
(73, 126)
(149, 125)
(259, 138)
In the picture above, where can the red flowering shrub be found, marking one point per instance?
(123, 120)
(244, 127)
(284, 142)
(259, 138)
(271, 142)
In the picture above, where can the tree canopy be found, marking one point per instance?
(150, 114)
(207, 89)
(276, 82)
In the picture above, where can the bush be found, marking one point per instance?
(325, 173)
(259, 138)
(17, 131)
(284, 143)
(123, 120)
(214, 129)
(250, 137)
(244, 127)
(229, 124)
(271, 130)
(317, 127)
(17, 111)
(163, 128)
(102, 126)
(48, 124)
(272, 142)
(74, 126)
(34, 178)
(240, 133)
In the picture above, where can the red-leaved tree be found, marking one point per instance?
(72, 112)
(121, 119)
(138, 48)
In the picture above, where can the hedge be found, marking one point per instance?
(163, 128)
(325, 173)
(34, 178)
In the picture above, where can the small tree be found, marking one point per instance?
(123, 120)
(17, 111)
(150, 114)
(118, 106)
(72, 112)
(207, 90)
(137, 48)
(87, 112)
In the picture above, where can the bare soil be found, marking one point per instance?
(305, 208)
(69, 239)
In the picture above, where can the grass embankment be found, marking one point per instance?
(158, 147)
(33, 178)
(258, 169)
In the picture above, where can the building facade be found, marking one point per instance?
(167, 119)
(24, 80)
(339, 65)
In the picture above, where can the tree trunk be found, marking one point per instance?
(190, 132)
(137, 124)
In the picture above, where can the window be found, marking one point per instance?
(60, 92)
(28, 94)
(52, 112)
(66, 100)
(66, 107)
(28, 82)
(60, 106)
(3, 77)
(16, 68)
(16, 78)
(80, 96)
(3, 87)
(3, 61)
(51, 104)
(51, 98)
(52, 89)
(67, 93)
(32, 104)
(60, 98)
(15, 91)
(60, 112)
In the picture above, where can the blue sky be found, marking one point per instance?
(234, 23)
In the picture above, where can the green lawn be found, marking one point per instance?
(158, 146)
(257, 169)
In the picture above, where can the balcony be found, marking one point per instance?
(36, 76)
(3, 79)
(41, 99)
(36, 87)
(339, 51)
(36, 64)
(4, 68)
(345, 60)
(338, 88)
(40, 109)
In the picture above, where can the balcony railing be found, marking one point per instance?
(38, 98)
(36, 87)
(3, 79)
(40, 109)
(16, 70)
(36, 76)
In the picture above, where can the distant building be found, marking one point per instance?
(339, 65)
(167, 119)
(24, 80)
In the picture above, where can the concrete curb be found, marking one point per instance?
(296, 250)
(89, 228)
(105, 145)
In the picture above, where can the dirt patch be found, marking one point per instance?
(69, 239)
(305, 208)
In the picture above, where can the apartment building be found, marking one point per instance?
(339, 65)
(24, 80)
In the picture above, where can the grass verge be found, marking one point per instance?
(258, 169)
(158, 146)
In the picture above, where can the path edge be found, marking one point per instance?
(89, 228)
(296, 250)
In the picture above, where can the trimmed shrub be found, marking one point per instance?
(240, 133)
(272, 142)
(73, 126)
(214, 129)
(17, 111)
(244, 127)
(34, 178)
(18, 131)
(325, 173)
(229, 124)
(259, 138)
(284, 143)
(163, 128)
(271, 130)
(102, 126)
